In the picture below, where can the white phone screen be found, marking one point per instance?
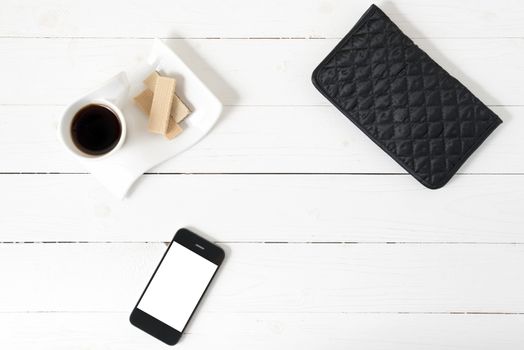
(177, 286)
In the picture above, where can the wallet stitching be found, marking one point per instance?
(494, 122)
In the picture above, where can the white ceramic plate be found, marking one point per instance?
(143, 150)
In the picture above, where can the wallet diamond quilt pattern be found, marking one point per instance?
(403, 100)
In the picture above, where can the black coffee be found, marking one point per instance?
(96, 129)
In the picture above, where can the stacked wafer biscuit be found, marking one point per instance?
(164, 108)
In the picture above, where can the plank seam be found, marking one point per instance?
(276, 242)
(253, 174)
(228, 105)
(50, 37)
(458, 313)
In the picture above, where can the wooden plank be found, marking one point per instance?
(281, 278)
(236, 18)
(57, 331)
(264, 208)
(257, 139)
(240, 72)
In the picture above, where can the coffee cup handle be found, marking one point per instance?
(114, 91)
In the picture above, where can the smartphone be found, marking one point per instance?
(177, 286)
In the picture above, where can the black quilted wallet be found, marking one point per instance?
(404, 101)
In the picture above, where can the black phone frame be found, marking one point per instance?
(154, 326)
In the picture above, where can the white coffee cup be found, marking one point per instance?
(109, 96)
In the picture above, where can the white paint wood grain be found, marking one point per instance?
(256, 139)
(437, 293)
(239, 71)
(237, 18)
(355, 208)
(286, 278)
(336, 331)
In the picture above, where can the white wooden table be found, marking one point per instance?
(331, 245)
